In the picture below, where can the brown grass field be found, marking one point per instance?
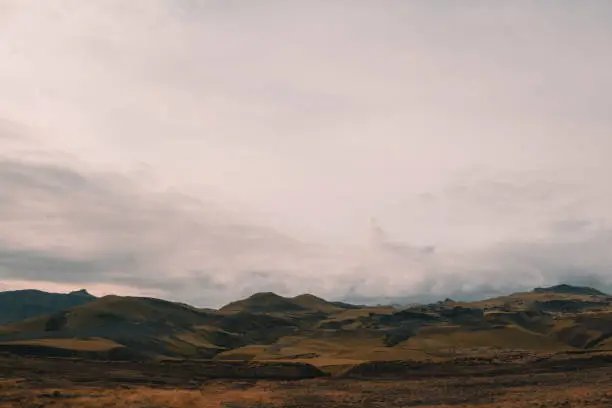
(34, 383)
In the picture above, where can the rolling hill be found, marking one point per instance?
(269, 327)
(268, 302)
(150, 328)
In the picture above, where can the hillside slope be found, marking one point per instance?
(22, 304)
(267, 326)
(268, 302)
(151, 328)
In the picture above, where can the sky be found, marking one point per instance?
(205, 150)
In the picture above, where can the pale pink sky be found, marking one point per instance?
(203, 150)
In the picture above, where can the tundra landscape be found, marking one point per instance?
(550, 346)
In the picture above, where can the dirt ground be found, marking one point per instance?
(36, 388)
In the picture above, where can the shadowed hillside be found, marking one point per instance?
(569, 289)
(22, 304)
(151, 328)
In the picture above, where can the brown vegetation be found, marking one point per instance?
(268, 327)
(589, 386)
(548, 347)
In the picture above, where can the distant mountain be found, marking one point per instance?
(268, 302)
(22, 304)
(344, 305)
(82, 292)
(570, 289)
(267, 326)
(265, 302)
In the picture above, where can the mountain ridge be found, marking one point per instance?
(267, 326)
(17, 305)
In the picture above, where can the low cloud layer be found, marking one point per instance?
(202, 151)
(78, 228)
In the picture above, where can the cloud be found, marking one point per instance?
(62, 224)
(495, 234)
(79, 228)
(206, 149)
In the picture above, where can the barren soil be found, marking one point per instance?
(35, 383)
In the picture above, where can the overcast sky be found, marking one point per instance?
(204, 150)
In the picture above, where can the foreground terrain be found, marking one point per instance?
(35, 383)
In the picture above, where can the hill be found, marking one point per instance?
(305, 328)
(269, 302)
(570, 289)
(314, 303)
(266, 302)
(22, 304)
(150, 328)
